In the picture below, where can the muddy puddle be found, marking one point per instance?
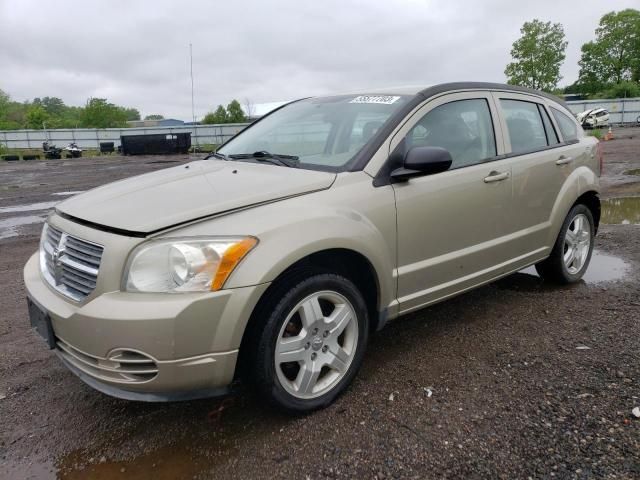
(10, 227)
(602, 268)
(167, 463)
(30, 207)
(621, 211)
(217, 438)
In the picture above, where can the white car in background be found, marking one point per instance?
(593, 118)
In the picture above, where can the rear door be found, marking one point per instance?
(451, 224)
(540, 161)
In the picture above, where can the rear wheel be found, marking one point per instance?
(313, 342)
(572, 251)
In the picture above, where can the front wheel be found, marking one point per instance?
(572, 251)
(313, 342)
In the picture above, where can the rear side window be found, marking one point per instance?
(552, 136)
(566, 124)
(524, 123)
(463, 127)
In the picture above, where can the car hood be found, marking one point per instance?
(154, 201)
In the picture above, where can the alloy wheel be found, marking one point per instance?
(316, 344)
(577, 242)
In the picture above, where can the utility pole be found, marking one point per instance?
(193, 109)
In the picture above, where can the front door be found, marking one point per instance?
(451, 225)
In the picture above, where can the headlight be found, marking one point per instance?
(185, 265)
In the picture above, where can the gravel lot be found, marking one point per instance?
(513, 380)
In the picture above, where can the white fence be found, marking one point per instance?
(621, 110)
(91, 137)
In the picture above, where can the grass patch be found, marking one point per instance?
(595, 132)
(204, 148)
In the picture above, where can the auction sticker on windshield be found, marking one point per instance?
(385, 99)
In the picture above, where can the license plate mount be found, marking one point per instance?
(41, 323)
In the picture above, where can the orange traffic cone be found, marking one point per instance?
(609, 135)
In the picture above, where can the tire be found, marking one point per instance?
(303, 362)
(558, 269)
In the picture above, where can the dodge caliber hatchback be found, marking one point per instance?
(278, 256)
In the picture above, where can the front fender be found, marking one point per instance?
(312, 232)
(350, 215)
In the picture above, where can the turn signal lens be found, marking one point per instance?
(230, 259)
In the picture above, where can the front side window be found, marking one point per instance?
(524, 124)
(567, 125)
(462, 127)
(322, 133)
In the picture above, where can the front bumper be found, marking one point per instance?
(152, 347)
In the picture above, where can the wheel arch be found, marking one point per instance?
(582, 186)
(591, 200)
(349, 263)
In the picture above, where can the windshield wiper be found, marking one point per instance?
(264, 156)
(216, 155)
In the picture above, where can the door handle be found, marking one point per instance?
(496, 177)
(562, 160)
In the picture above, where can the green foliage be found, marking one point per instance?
(537, 56)
(36, 117)
(204, 147)
(219, 116)
(99, 113)
(625, 89)
(235, 114)
(154, 117)
(594, 132)
(53, 112)
(232, 114)
(614, 56)
(132, 114)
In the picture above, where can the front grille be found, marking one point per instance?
(121, 366)
(68, 263)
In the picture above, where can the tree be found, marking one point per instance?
(537, 56)
(249, 108)
(626, 89)
(217, 117)
(614, 56)
(5, 100)
(36, 117)
(132, 114)
(98, 113)
(54, 106)
(235, 114)
(154, 117)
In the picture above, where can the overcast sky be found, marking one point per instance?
(136, 53)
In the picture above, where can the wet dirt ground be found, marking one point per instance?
(517, 379)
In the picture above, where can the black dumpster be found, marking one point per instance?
(156, 144)
(107, 147)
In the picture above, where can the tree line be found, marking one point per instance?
(52, 112)
(609, 64)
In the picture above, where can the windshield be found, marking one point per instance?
(321, 133)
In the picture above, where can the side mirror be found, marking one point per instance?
(420, 161)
